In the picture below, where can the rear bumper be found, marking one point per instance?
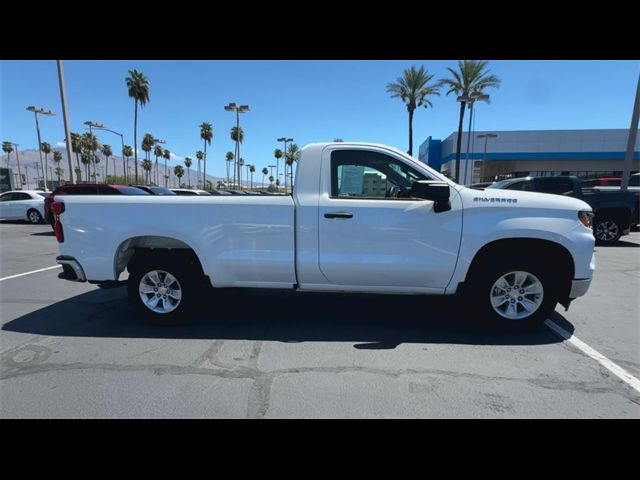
(71, 269)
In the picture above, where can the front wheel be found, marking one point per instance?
(163, 289)
(34, 217)
(515, 292)
(607, 231)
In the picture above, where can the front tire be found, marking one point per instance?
(607, 231)
(514, 292)
(34, 217)
(163, 289)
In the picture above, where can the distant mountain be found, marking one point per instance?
(31, 159)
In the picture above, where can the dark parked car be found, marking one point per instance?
(615, 212)
(87, 189)
(153, 190)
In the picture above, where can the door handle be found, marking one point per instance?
(338, 215)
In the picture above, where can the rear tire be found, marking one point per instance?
(514, 292)
(163, 288)
(34, 217)
(607, 230)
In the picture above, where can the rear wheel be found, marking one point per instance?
(607, 230)
(34, 216)
(514, 292)
(164, 289)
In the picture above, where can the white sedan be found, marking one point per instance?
(23, 205)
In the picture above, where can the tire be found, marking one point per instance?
(607, 230)
(487, 284)
(34, 217)
(181, 295)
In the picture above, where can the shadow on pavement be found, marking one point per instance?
(622, 243)
(44, 234)
(371, 321)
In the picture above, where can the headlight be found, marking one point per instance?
(586, 218)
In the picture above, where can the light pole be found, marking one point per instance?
(486, 137)
(65, 117)
(124, 169)
(470, 100)
(91, 124)
(631, 141)
(285, 140)
(18, 160)
(232, 107)
(42, 111)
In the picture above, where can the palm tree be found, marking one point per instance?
(46, 149)
(166, 154)
(76, 147)
(7, 147)
(127, 151)
(472, 77)
(57, 157)
(78, 171)
(106, 151)
(229, 158)
(147, 145)
(85, 158)
(91, 144)
(240, 165)
(138, 87)
(265, 171)
(237, 135)
(96, 161)
(157, 151)
(147, 166)
(252, 169)
(206, 134)
(178, 171)
(293, 155)
(278, 154)
(59, 171)
(187, 163)
(199, 156)
(270, 183)
(414, 90)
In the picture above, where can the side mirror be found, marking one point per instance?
(432, 190)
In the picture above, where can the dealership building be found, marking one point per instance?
(508, 154)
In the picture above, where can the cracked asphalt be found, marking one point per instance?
(70, 350)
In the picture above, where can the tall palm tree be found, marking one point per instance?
(278, 154)
(147, 145)
(127, 151)
(59, 171)
(57, 158)
(237, 135)
(166, 154)
(178, 171)
(138, 88)
(293, 155)
(270, 183)
(85, 158)
(472, 76)
(265, 171)
(106, 151)
(252, 169)
(46, 149)
(7, 147)
(147, 166)
(76, 146)
(157, 151)
(187, 163)
(199, 156)
(96, 161)
(228, 159)
(91, 144)
(414, 90)
(78, 171)
(240, 165)
(206, 135)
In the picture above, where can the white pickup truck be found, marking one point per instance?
(362, 218)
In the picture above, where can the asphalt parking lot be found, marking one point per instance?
(74, 350)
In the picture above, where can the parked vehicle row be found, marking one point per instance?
(23, 205)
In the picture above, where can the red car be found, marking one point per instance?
(87, 189)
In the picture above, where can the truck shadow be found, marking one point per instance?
(372, 322)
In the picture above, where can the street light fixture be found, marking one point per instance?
(486, 137)
(100, 126)
(41, 111)
(233, 107)
(470, 101)
(91, 124)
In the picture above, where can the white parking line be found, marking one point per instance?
(617, 370)
(29, 273)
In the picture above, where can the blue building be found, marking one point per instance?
(584, 153)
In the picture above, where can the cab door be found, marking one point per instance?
(373, 234)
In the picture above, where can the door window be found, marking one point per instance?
(367, 174)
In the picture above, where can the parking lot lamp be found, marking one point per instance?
(486, 137)
(41, 111)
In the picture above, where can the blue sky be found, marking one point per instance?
(307, 100)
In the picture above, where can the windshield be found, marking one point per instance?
(503, 183)
(161, 191)
(132, 191)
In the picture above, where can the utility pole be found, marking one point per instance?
(631, 141)
(65, 116)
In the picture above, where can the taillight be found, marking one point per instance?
(58, 208)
